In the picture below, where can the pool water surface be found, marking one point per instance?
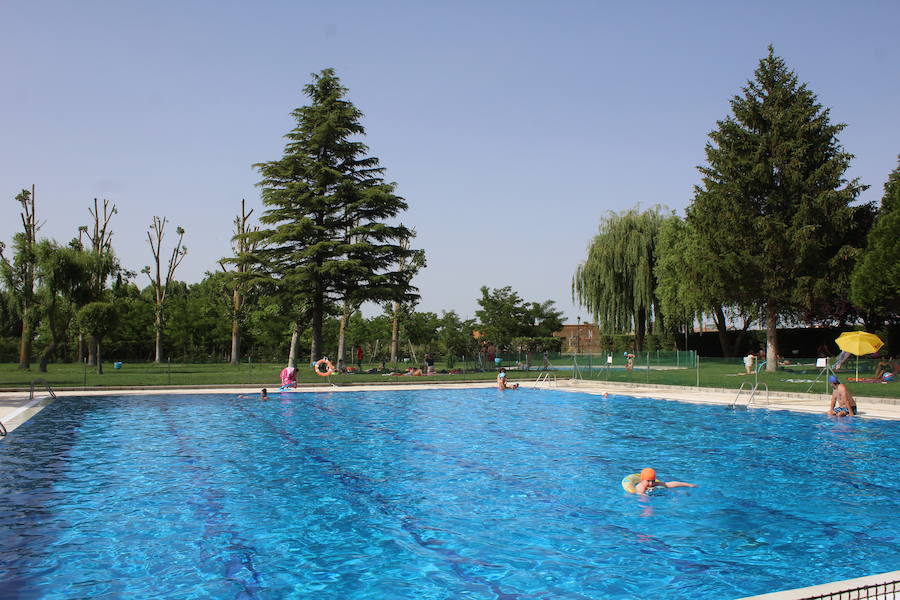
(438, 494)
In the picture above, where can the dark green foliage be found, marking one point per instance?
(772, 216)
(876, 280)
(455, 335)
(64, 283)
(329, 213)
(504, 316)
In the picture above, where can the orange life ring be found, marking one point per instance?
(329, 368)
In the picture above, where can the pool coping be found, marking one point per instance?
(828, 589)
(16, 407)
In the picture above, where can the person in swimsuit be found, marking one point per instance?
(502, 383)
(263, 395)
(842, 402)
(649, 480)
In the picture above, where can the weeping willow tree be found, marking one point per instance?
(616, 283)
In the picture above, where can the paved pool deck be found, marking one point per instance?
(16, 408)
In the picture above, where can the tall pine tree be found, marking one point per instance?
(773, 215)
(329, 212)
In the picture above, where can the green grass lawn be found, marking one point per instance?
(719, 374)
(729, 375)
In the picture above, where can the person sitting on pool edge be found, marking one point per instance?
(501, 381)
(841, 397)
(649, 480)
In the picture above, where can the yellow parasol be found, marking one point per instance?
(859, 343)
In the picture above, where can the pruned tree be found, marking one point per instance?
(103, 260)
(240, 280)
(409, 266)
(160, 282)
(18, 275)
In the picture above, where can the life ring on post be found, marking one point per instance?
(329, 368)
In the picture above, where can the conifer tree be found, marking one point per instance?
(329, 212)
(876, 279)
(772, 215)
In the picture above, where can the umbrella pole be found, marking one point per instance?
(857, 367)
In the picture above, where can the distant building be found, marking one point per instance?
(583, 338)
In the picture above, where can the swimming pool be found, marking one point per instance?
(438, 494)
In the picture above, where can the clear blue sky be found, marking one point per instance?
(511, 128)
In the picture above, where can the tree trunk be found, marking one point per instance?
(159, 346)
(80, 350)
(640, 328)
(295, 345)
(722, 330)
(235, 342)
(25, 344)
(235, 327)
(395, 333)
(771, 337)
(315, 349)
(95, 341)
(45, 357)
(345, 316)
(92, 352)
(51, 347)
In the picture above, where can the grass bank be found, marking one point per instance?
(720, 373)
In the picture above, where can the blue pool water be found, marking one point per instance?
(439, 494)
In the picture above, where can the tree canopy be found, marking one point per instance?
(876, 279)
(617, 282)
(773, 213)
(504, 315)
(328, 231)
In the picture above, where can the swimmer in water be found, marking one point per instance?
(263, 395)
(649, 481)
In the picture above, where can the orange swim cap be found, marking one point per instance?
(648, 474)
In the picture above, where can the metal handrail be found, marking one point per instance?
(46, 386)
(753, 390)
(756, 388)
(544, 377)
(3, 430)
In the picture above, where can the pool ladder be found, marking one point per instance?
(46, 386)
(752, 391)
(3, 430)
(544, 378)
